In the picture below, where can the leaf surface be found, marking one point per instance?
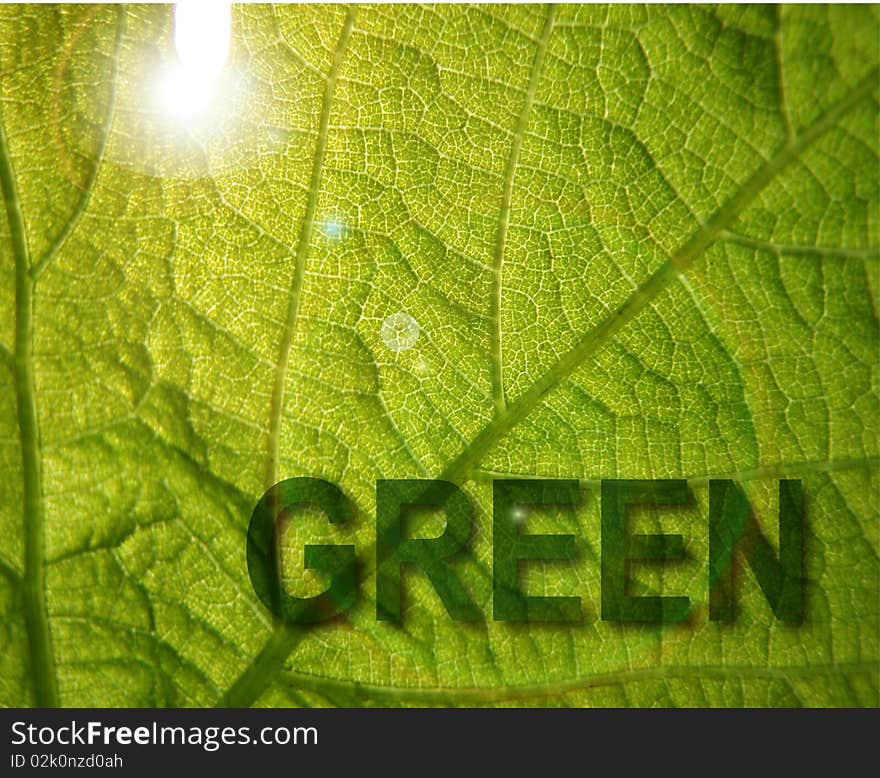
(414, 242)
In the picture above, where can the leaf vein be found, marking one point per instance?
(503, 221)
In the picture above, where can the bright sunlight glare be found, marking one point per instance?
(201, 39)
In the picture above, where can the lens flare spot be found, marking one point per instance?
(333, 228)
(400, 331)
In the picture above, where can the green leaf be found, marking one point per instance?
(418, 242)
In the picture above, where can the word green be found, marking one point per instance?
(732, 529)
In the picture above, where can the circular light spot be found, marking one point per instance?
(421, 367)
(518, 515)
(400, 331)
(334, 228)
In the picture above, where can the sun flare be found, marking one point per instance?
(190, 86)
